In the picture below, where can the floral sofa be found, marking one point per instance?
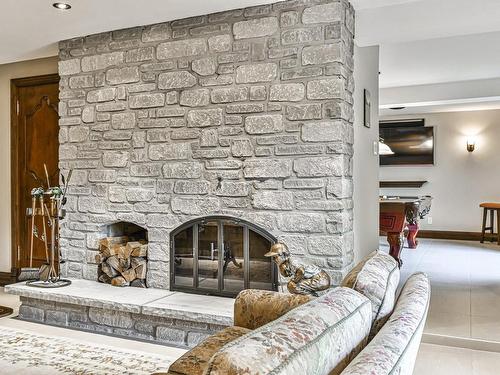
(356, 329)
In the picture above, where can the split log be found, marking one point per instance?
(140, 271)
(109, 270)
(105, 279)
(114, 262)
(136, 262)
(141, 251)
(138, 283)
(116, 249)
(108, 241)
(129, 274)
(124, 264)
(131, 246)
(104, 251)
(119, 281)
(124, 251)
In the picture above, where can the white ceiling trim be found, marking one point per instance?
(445, 97)
(441, 102)
(465, 90)
(461, 107)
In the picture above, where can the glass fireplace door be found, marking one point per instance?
(208, 255)
(233, 269)
(221, 256)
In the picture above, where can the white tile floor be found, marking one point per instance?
(465, 279)
(465, 306)
(444, 360)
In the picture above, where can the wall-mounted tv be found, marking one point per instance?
(406, 142)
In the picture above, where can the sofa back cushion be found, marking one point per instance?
(394, 349)
(319, 337)
(254, 308)
(377, 278)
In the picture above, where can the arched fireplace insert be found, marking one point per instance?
(221, 255)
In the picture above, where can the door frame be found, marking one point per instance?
(16, 220)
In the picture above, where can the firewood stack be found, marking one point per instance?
(122, 261)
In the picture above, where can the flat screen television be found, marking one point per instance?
(406, 144)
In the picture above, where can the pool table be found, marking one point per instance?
(399, 215)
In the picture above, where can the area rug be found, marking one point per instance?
(4, 311)
(22, 352)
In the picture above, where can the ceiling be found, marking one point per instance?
(459, 58)
(427, 44)
(404, 21)
(421, 42)
(32, 28)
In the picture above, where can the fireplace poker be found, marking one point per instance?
(45, 269)
(30, 273)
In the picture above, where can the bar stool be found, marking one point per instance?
(491, 208)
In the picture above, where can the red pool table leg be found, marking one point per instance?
(396, 242)
(412, 236)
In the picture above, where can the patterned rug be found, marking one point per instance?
(4, 311)
(22, 352)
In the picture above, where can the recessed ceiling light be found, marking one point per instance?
(61, 6)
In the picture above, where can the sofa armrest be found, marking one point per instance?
(394, 349)
(254, 308)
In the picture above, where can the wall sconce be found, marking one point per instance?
(471, 145)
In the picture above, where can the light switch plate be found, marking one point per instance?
(375, 148)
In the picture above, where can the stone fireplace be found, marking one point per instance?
(231, 125)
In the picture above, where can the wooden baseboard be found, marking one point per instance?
(455, 235)
(7, 278)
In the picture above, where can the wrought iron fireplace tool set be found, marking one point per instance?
(51, 202)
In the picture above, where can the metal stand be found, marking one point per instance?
(51, 277)
(49, 284)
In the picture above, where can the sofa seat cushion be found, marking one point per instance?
(319, 337)
(394, 349)
(195, 361)
(377, 278)
(254, 308)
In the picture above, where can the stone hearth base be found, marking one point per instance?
(170, 318)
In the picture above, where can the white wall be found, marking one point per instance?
(366, 164)
(459, 180)
(8, 72)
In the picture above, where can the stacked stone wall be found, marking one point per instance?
(246, 113)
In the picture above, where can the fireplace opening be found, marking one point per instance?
(122, 258)
(221, 256)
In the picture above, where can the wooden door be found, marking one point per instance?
(35, 142)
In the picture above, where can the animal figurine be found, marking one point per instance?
(306, 279)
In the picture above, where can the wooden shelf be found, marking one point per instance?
(402, 184)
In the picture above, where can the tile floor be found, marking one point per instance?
(465, 279)
(445, 360)
(465, 306)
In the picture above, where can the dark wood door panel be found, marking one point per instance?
(35, 132)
